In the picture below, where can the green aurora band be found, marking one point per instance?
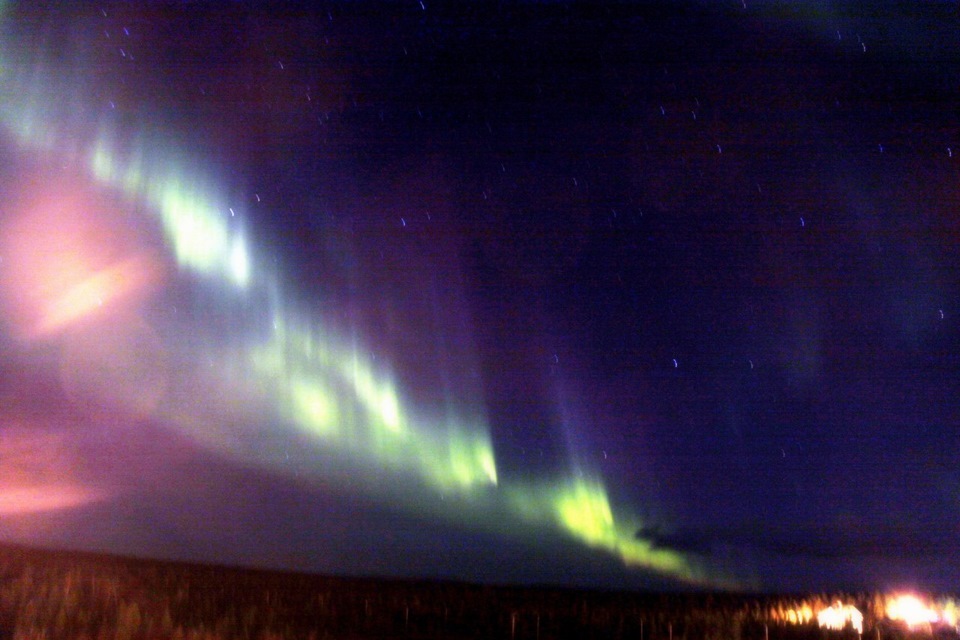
(306, 376)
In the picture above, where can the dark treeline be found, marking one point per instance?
(58, 595)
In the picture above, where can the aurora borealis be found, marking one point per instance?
(313, 386)
(401, 278)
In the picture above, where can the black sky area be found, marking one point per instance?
(708, 249)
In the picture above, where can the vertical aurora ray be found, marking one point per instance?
(287, 366)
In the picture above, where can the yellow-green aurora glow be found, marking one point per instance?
(295, 370)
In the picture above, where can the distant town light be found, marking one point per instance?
(838, 616)
(911, 610)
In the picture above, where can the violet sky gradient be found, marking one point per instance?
(634, 295)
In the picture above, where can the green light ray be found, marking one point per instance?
(310, 378)
(580, 508)
(314, 379)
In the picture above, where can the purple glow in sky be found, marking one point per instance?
(636, 295)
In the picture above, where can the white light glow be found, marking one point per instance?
(911, 610)
(839, 616)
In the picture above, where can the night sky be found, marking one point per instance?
(640, 295)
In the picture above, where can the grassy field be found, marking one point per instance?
(60, 595)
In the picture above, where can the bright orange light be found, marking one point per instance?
(36, 474)
(92, 293)
(67, 257)
(911, 610)
(948, 612)
(27, 499)
(838, 616)
(801, 615)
